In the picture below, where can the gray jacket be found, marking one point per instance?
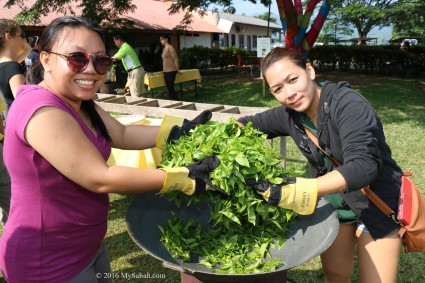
(351, 132)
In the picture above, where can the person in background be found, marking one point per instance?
(170, 65)
(405, 46)
(56, 149)
(350, 131)
(131, 63)
(34, 42)
(13, 49)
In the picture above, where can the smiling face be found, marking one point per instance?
(70, 86)
(293, 86)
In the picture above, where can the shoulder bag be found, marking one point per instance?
(411, 208)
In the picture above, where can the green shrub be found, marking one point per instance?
(383, 59)
(199, 57)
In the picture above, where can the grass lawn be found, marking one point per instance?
(401, 106)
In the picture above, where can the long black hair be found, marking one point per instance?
(48, 38)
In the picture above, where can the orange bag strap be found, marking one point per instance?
(366, 190)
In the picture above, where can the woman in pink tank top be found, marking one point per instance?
(56, 145)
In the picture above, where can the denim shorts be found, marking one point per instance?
(363, 228)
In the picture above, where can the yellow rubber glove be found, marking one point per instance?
(192, 178)
(178, 179)
(299, 196)
(172, 128)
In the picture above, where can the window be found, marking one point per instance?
(254, 41)
(226, 40)
(241, 41)
(233, 40)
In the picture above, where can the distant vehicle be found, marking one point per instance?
(277, 44)
(318, 44)
(411, 41)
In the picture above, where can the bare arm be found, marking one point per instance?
(175, 58)
(15, 82)
(129, 137)
(331, 182)
(56, 136)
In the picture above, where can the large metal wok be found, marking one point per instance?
(308, 237)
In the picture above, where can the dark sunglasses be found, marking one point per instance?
(78, 61)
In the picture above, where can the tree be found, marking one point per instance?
(197, 5)
(296, 21)
(408, 19)
(96, 10)
(332, 30)
(364, 15)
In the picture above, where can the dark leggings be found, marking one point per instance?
(169, 78)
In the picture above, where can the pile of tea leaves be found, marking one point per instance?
(242, 227)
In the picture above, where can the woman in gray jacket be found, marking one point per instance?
(350, 131)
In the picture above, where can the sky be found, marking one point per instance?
(253, 9)
(249, 9)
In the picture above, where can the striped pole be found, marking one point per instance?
(295, 23)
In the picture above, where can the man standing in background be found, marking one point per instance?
(129, 59)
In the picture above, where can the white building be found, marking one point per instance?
(151, 18)
(243, 31)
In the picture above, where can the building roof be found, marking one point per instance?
(148, 15)
(154, 15)
(248, 20)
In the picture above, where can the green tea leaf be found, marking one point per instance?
(251, 215)
(242, 160)
(231, 216)
(225, 247)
